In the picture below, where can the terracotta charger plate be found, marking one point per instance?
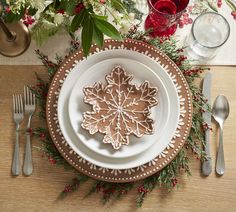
(144, 170)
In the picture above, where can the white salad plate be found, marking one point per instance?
(71, 108)
(159, 113)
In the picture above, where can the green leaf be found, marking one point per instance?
(32, 11)
(231, 5)
(107, 29)
(78, 20)
(131, 7)
(212, 5)
(100, 17)
(98, 36)
(13, 17)
(3, 2)
(41, 34)
(118, 5)
(69, 6)
(87, 35)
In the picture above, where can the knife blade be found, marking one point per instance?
(206, 90)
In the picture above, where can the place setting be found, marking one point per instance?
(121, 107)
(171, 109)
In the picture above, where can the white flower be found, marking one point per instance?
(125, 22)
(47, 24)
(125, 27)
(37, 4)
(131, 17)
(16, 5)
(58, 19)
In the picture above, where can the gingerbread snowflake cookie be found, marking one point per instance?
(120, 108)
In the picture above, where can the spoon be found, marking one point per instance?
(220, 112)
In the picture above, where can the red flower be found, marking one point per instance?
(28, 20)
(78, 8)
(8, 9)
(61, 11)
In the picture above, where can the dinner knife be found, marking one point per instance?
(206, 90)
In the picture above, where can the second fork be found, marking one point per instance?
(29, 98)
(18, 115)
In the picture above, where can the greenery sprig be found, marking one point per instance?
(95, 18)
(167, 178)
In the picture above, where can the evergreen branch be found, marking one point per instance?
(74, 185)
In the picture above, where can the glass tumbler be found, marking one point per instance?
(209, 31)
(163, 16)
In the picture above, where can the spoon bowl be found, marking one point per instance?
(220, 112)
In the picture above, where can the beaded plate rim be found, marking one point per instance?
(143, 171)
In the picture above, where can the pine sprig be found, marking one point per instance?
(167, 178)
(74, 185)
(110, 190)
(130, 7)
(48, 148)
(51, 67)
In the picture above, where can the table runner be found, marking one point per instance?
(225, 56)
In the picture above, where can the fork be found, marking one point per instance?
(29, 98)
(18, 115)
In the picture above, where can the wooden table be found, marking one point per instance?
(39, 192)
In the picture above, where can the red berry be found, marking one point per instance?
(42, 136)
(30, 130)
(51, 160)
(8, 9)
(78, 8)
(219, 3)
(61, 11)
(190, 8)
(233, 13)
(181, 24)
(185, 21)
(67, 189)
(190, 20)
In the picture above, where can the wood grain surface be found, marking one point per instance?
(39, 192)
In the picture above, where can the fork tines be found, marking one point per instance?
(29, 97)
(18, 104)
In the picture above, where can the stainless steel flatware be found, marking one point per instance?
(206, 90)
(29, 99)
(220, 113)
(18, 115)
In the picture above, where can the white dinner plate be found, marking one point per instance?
(108, 162)
(159, 113)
